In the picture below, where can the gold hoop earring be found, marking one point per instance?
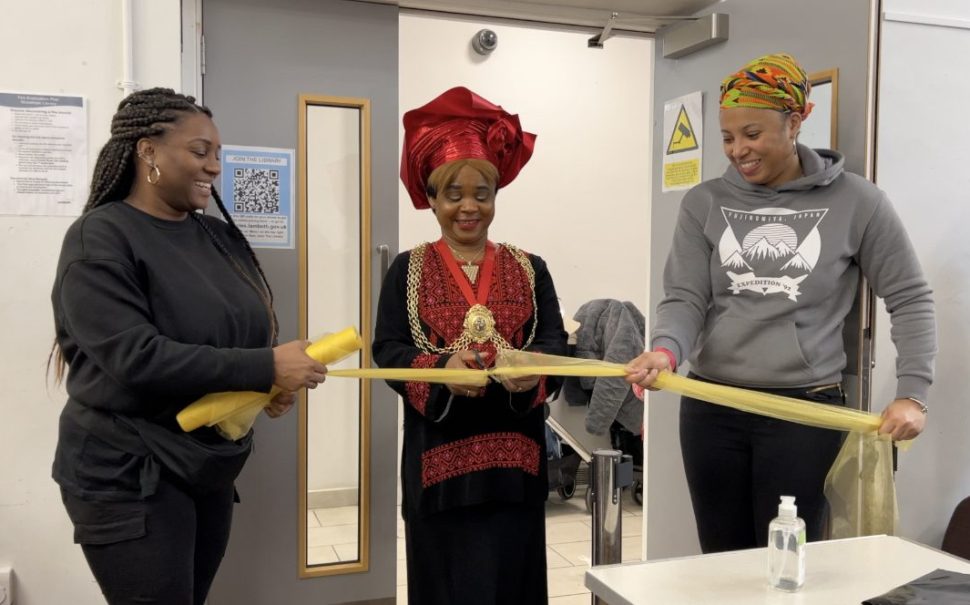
(156, 172)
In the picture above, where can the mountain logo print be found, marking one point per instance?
(770, 250)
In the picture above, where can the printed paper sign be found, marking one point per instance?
(43, 154)
(257, 189)
(683, 132)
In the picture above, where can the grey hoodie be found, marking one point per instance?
(759, 281)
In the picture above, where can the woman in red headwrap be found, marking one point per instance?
(761, 277)
(474, 465)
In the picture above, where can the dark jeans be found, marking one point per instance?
(164, 549)
(738, 464)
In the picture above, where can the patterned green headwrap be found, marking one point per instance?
(775, 82)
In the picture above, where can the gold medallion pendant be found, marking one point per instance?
(479, 325)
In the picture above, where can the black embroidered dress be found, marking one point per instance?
(473, 468)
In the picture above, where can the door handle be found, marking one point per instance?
(385, 251)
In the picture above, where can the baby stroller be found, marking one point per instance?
(610, 330)
(568, 461)
(632, 444)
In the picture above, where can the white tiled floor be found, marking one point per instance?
(569, 540)
(331, 535)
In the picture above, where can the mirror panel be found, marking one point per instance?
(822, 130)
(334, 251)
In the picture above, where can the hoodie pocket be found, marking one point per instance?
(755, 353)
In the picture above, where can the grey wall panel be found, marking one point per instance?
(822, 35)
(260, 56)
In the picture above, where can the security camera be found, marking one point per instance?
(485, 41)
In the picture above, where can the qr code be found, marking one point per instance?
(256, 190)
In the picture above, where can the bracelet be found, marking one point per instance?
(671, 358)
(922, 406)
(638, 391)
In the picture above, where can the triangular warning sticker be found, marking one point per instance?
(682, 138)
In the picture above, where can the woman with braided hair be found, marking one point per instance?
(156, 305)
(762, 274)
(474, 465)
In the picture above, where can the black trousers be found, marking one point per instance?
(164, 549)
(738, 464)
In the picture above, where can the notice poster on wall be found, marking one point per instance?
(683, 135)
(257, 189)
(43, 154)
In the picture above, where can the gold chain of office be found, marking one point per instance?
(479, 324)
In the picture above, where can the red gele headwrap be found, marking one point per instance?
(460, 125)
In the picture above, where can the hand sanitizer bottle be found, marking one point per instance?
(786, 548)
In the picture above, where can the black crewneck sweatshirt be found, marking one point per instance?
(150, 316)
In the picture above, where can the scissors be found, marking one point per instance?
(481, 365)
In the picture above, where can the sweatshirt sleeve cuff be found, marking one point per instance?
(255, 370)
(663, 342)
(912, 386)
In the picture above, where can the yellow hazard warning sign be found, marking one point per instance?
(684, 131)
(682, 138)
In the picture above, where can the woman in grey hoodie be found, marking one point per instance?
(762, 274)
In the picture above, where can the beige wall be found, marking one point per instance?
(73, 48)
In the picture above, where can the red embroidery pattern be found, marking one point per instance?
(442, 307)
(478, 453)
(418, 392)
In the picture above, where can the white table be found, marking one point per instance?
(836, 572)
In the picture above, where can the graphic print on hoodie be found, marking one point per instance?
(770, 250)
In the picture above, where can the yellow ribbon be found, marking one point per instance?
(434, 375)
(859, 486)
(233, 413)
(514, 364)
(783, 408)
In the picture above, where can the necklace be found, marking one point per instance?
(470, 269)
(479, 324)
